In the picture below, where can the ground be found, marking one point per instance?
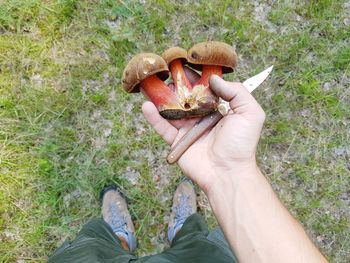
(67, 128)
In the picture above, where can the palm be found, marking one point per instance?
(225, 142)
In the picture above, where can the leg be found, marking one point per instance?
(218, 237)
(109, 240)
(194, 243)
(96, 242)
(189, 235)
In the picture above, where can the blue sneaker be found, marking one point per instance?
(115, 213)
(184, 205)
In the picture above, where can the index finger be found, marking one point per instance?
(167, 131)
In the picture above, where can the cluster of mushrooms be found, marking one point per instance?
(175, 97)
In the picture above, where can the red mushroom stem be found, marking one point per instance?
(178, 74)
(207, 71)
(159, 93)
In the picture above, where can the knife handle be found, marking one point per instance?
(192, 135)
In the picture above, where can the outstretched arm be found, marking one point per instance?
(222, 162)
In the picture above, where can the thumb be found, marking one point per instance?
(241, 101)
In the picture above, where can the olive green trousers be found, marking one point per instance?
(96, 242)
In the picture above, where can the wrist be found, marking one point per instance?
(226, 179)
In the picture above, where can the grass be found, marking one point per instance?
(67, 128)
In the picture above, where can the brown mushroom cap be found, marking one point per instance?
(213, 53)
(142, 66)
(173, 53)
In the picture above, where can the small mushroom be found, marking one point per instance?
(146, 72)
(189, 99)
(175, 57)
(212, 57)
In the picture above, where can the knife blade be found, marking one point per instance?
(255, 81)
(211, 120)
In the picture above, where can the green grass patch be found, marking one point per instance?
(67, 128)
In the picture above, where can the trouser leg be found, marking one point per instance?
(96, 242)
(218, 237)
(194, 243)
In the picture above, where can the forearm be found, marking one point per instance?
(256, 224)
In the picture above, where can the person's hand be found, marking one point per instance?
(222, 163)
(229, 148)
